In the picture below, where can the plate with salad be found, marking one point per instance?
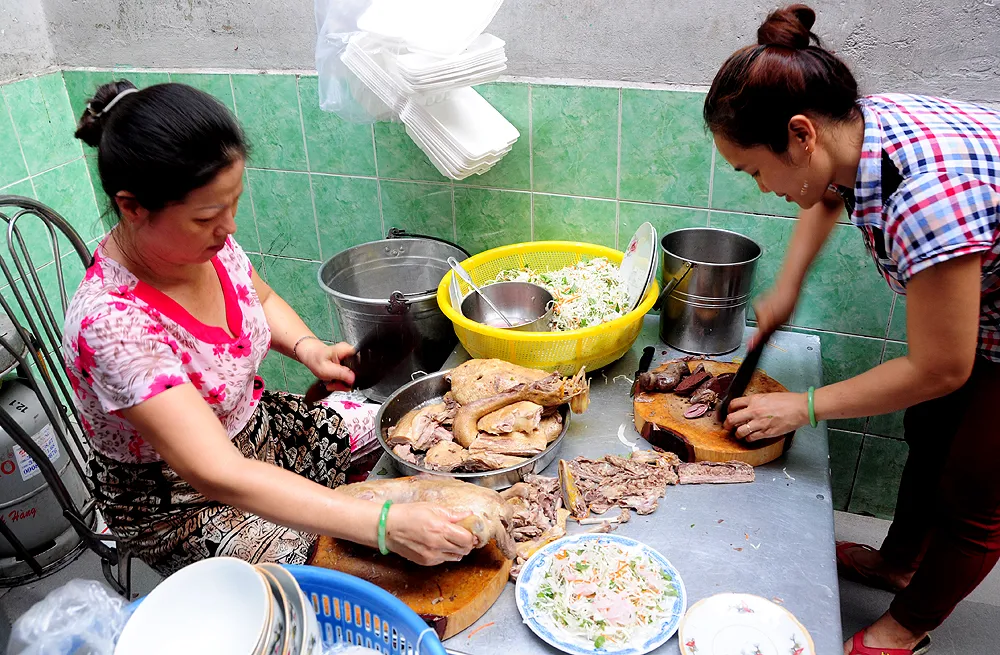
(601, 593)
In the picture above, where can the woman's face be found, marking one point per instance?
(801, 175)
(194, 230)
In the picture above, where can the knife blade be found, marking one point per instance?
(377, 354)
(742, 378)
(644, 363)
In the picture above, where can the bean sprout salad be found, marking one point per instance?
(605, 595)
(587, 293)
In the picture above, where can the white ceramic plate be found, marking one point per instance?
(742, 624)
(534, 571)
(638, 267)
(219, 605)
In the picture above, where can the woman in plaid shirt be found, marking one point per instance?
(920, 177)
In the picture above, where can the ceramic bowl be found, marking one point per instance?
(278, 641)
(283, 584)
(218, 605)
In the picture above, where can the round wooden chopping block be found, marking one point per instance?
(659, 418)
(450, 597)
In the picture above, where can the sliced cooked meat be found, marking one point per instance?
(405, 453)
(689, 384)
(704, 396)
(715, 472)
(573, 500)
(720, 383)
(635, 482)
(663, 380)
(520, 417)
(512, 443)
(696, 410)
(483, 461)
(445, 456)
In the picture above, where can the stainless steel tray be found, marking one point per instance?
(432, 388)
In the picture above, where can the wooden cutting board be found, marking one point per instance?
(450, 597)
(659, 418)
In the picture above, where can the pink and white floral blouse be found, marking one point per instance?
(125, 342)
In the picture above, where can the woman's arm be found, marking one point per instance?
(287, 330)
(943, 305)
(182, 428)
(811, 231)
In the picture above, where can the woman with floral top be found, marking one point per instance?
(920, 177)
(192, 456)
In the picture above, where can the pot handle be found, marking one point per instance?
(400, 233)
(672, 284)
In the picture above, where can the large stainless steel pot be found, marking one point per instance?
(432, 388)
(708, 275)
(388, 290)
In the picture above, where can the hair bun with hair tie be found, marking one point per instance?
(789, 27)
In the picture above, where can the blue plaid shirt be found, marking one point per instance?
(947, 203)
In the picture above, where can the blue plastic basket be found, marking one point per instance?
(352, 610)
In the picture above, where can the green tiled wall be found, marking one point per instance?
(40, 159)
(591, 164)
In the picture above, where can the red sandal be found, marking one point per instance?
(858, 647)
(849, 569)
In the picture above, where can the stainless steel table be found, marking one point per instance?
(773, 538)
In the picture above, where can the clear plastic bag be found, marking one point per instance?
(340, 91)
(82, 617)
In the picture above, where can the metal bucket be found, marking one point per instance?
(387, 289)
(708, 276)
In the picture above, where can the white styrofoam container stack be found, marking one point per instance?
(421, 58)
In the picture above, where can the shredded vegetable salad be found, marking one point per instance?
(605, 595)
(586, 294)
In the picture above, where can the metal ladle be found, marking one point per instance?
(464, 274)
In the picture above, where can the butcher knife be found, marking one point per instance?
(378, 353)
(644, 363)
(742, 377)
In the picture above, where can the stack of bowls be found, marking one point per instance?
(224, 606)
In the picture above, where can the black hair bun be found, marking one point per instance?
(790, 27)
(91, 125)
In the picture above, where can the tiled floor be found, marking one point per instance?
(971, 630)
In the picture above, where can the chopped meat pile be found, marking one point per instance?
(497, 415)
(634, 483)
(701, 387)
(541, 505)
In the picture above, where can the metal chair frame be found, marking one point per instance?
(43, 339)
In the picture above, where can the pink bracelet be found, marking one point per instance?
(295, 348)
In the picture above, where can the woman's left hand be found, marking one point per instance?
(767, 415)
(324, 362)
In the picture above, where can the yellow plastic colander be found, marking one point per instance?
(565, 352)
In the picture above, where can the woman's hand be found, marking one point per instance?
(773, 310)
(426, 533)
(767, 415)
(324, 362)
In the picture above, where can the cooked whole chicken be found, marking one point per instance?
(489, 514)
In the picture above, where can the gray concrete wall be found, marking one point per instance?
(948, 48)
(24, 41)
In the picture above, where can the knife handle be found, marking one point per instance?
(647, 359)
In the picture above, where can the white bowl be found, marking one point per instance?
(303, 614)
(218, 605)
(292, 633)
(273, 639)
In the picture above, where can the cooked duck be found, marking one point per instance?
(479, 461)
(521, 444)
(477, 379)
(550, 391)
(489, 514)
(445, 456)
(422, 428)
(519, 417)
(551, 427)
